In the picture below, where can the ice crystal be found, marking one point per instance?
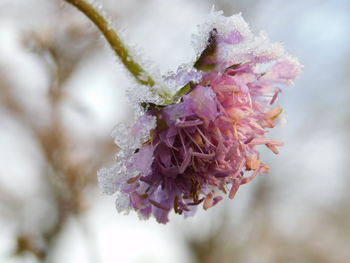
(128, 138)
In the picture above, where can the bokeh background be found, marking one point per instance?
(62, 91)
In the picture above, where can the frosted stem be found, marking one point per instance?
(132, 66)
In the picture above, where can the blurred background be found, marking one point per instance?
(62, 91)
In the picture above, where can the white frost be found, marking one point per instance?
(252, 46)
(128, 138)
(122, 203)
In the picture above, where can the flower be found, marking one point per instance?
(203, 145)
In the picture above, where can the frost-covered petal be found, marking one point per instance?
(203, 101)
(143, 159)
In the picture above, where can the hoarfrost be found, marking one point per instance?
(122, 203)
(142, 93)
(128, 138)
(250, 47)
(184, 74)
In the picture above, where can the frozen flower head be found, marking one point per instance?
(203, 146)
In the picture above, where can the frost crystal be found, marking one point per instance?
(202, 146)
(184, 74)
(237, 44)
(122, 203)
(128, 138)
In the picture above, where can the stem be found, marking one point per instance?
(132, 66)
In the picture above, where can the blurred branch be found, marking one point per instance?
(66, 176)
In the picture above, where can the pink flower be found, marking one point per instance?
(204, 147)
